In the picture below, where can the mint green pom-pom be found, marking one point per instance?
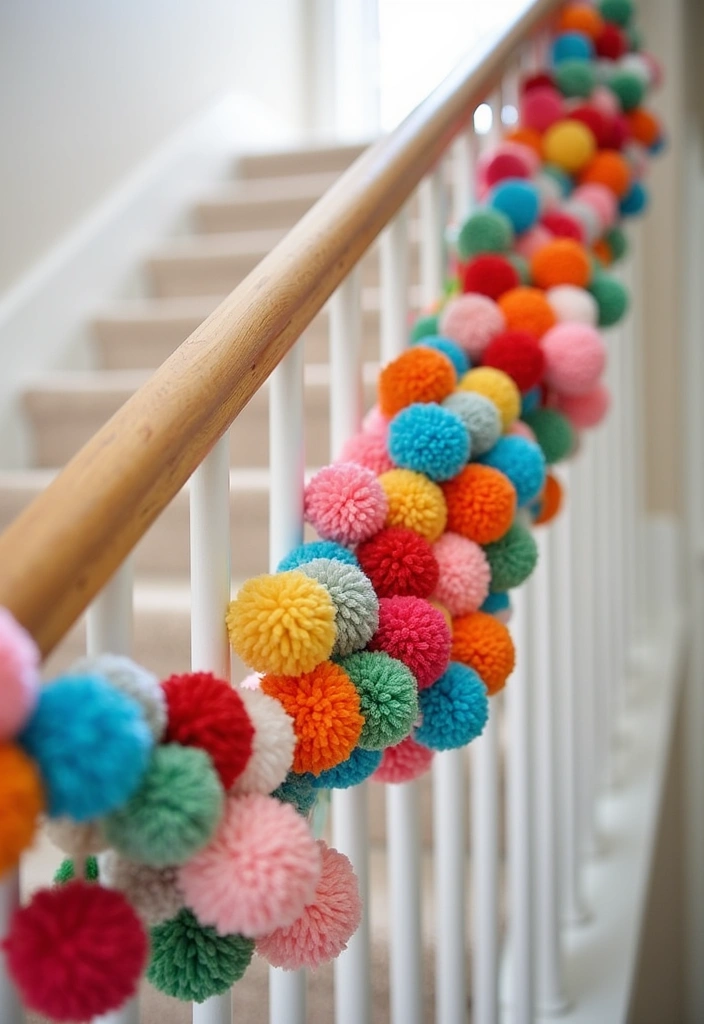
(553, 432)
(617, 242)
(485, 231)
(618, 11)
(424, 326)
(388, 697)
(66, 871)
(611, 298)
(192, 962)
(512, 558)
(629, 88)
(575, 78)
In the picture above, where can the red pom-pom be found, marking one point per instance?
(489, 275)
(208, 713)
(399, 562)
(562, 225)
(519, 355)
(416, 633)
(596, 121)
(76, 951)
(537, 81)
(611, 42)
(619, 132)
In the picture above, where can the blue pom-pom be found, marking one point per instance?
(358, 767)
(316, 549)
(498, 602)
(454, 710)
(571, 46)
(635, 200)
(451, 349)
(530, 400)
(428, 439)
(519, 200)
(92, 744)
(523, 462)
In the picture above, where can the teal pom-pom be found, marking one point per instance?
(553, 432)
(299, 791)
(192, 963)
(91, 743)
(629, 87)
(454, 709)
(485, 230)
(521, 266)
(519, 200)
(424, 326)
(498, 602)
(619, 12)
(316, 549)
(480, 417)
(575, 78)
(359, 766)
(429, 439)
(451, 349)
(512, 558)
(570, 46)
(356, 603)
(523, 462)
(635, 200)
(530, 400)
(611, 298)
(617, 242)
(388, 695)
(175, 811)
(66, 871)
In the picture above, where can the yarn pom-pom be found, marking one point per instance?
(611, 43)
(406, 761)
(77, 840)
(562, 261)
(451, 349)
(316, 549)
(359, 766)
(619, 12)
(611, 298)
(575, 77)
(603, 201)
(575, 358)
(495, 603)
(571, 304)
(21, 801)
(19, 675)
(345, 503)
(486, 230)
(259, 871)
(585, 411)
(326, 925)
(489, 275)
(368, 450)
(498, 387)
(419, 374)
(91, 743)
(131, 679)
(518, 200)
(192, 963)
(517, 354)
(423, 326)
(569, 144)
(415, 633)
(415, 503)
(635, 200)
(429, 439)
(283, 623)
(399, 562)
(527, 309)
(553, 432)
(629, 87)
(174, 812)
(581, 17)
(562, 225)
(454, 710)
(479, 415)
(298, 791)
(481, 503)
(272, 747)
(512, 559)
(356, 604)
(76, 951)
(388, 695)
(571, 45)
(325, 708)
(464, 574)
(208, 713)
(484, 644)
(471, 320)
(153, 892)
(550, 501)
(609, 168)
(66, 871)
(541, 107)
(523, 462)
(617, 243)
(532, 240)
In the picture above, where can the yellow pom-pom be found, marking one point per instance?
(21, 801)
(414, 502)
(498, 387)
(283, 624)
(570, 144)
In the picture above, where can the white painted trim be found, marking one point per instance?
(43, 319)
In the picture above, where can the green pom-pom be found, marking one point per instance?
(611, 298)
(635, 38)
(512, 559)
(522, 267)
(575, 78)
(485, 231)
(619, 12)
(299, 791)
(66, 871)
(388, 697)
(424, 326)
(617, 242)
(629, 87)
(553, 432)
(174, 812)
(193, 963)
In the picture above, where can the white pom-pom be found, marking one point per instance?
(132, 680)
(272, 749)
(76, 839)
(153, 892)
(571, 304)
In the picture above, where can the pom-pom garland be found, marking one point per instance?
(19, 675)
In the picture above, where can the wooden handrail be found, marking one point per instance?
(57, 555)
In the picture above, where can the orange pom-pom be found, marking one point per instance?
(562, 261)
(325, 707)
(602, 250)
(527, 137)
(482, 642)
(21, 802)
(419, 375)
(481, 503)
(581, 18)
(527, 309)
(608, 168)
(550, 500)
(644, 126)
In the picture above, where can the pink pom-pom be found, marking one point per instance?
(465, 574)
(375, 422)
(605, 101)
(540, 108)
(472, 320)
(416, 633)
(584, 411)
(19, 675)
(602, 199)
(521, 429)
(345, 503)
(76, 951)
(571, 303)
(326, 925)
(654, 67)
(406, 761)
(575, 357)
(368, 450)
(530, 241)
(257, 873)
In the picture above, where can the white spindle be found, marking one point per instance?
(485, 869)
(12, 1012)
(394, 276)
(450, 863)
(464, 154)
(603, 603)
(432, 244)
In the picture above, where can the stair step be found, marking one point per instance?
(261, 202)
(314, 160)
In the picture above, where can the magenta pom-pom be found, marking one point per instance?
(465, 574)
(541, 107)
(575, 357)
(345, 503)
(406, 761)
(416, 633)
(19, 674)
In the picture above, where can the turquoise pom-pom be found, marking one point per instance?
(523, 462)
(429, 439)
(299, 791)
(498, 602)
(454, 710)
(571, 46)
(519, 200)
(635, 200)
(530, 400)
(92, 745)
(358, 767)
(457, 356)
(316, 549)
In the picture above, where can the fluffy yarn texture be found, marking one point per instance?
(208, 713)
(415, 633)
(131, 679)
(490, 275)
(415, 503)
(498, 387)
(575, 77)
(522, 462)
(92, 745)
(259, 871)
(325, 708)
(486, 230)
(299, 791)
(451, 349)
(575, 358)
(472, 321)
(562, 261)
(21, 801)
(192, 963)
(326, 925)
(553, 432)
(153, 892)
(541, 107)
(573, 304)
(484, 644)
(368, 450)
(611, 298)
(518, 200)
(513, 558)
(174, 812)
(66, 871)
(406, 761)
(550, 500)
(77, 840)
(76, 951)
(429, 439)
(527, 309)
(19, 675)
(464, 576)
(356, 604)
(585, 411)
(481, 503)
(519, 356)
(454, 710)
(359, 766)
(479, 415)
(419, 374)
(388, 696)
(399, 562)
(569, 144)
(272, 747)
(283, 623)
(316, 549)
(345, 503)
(610, 168)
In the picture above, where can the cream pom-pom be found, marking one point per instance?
(134, 681)
(77, 839)
(273, 745)
(153, 892)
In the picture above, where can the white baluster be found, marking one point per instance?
(12, 1011)
(485, 869)
(394, 276)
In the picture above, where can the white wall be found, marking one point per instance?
(90, 88)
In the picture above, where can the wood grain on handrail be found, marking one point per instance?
(57, 555)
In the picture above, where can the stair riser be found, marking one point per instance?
(229, 216)
(318, 161)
